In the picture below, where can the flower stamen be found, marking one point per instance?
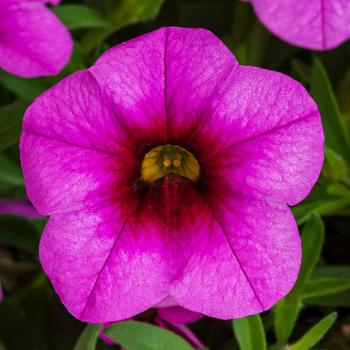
(166, 159)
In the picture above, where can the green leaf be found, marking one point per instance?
(16, 330)
(127, 12)
(80, 16)
(88, 339)
(134, 335)
(287, 310)
(338, 190)
(2, 347)
(312, 243)
(10, 123)
(19, 232)
(341, 299)
(323, 207)
(330, 271)
(324, 286)
(335, 133)
(10, 173)
(250, 333)
(335, 167)
(253, 50)
(301, 70)
(314, 335)
(27, 89)
(286, 315)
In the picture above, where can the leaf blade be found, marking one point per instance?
(250, 333)
(88, 338)
(134, 335)
(315, 334)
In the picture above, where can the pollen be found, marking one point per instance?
(164, 160)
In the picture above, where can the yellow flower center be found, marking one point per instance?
(169, 159)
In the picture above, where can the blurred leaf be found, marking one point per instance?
(312, 243)
(253, 51)
(339, 190)
(10, 173)
(324, 286)
(28, 89)
(2, 347)
(250, 333)
(335, 166)
(301, 70)
(10, 123)
(80, 16)
(127, 12)
(321, 89)
(330, 271)
(286, 315)
(135, 335)
(18, 232)
(314, 335)
(16, 331)
(88, 339)
(324, 207)
(287, 310)
(341, 299)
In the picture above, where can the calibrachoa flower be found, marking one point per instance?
(33, 41)
(174, 319)
(312, 24)
(167, 170)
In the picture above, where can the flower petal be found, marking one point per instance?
(163, 79)
(100, 267)
(178, 315)
(131, 75)
(71, 148)
(246, 261)
(33, 41)
(197, 63)
(314, 24)
(276, 136)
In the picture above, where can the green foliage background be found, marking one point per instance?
(32, 318)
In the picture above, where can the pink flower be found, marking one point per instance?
(312, 24)
(167, 170)
(173, 319)
(33, 41)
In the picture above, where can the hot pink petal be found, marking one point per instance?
(67, 159)
(100, 267)
(178, 315)
(275, 132)
(248, 259)
(314, 24)
(33, 42)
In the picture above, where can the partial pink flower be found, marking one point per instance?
(174, 319)
(167, 170)
(312, 24)
(1, 293)
(33, 41)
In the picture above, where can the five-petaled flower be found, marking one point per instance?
(167, 170)
(33, 41)
(313, 24)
